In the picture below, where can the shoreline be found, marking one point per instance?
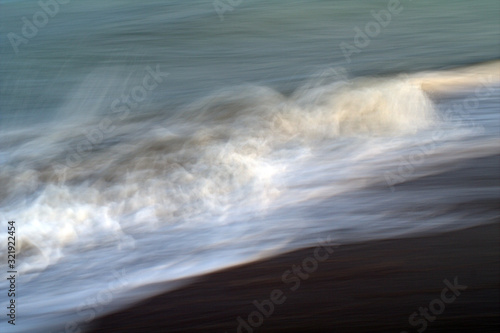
(375, 286)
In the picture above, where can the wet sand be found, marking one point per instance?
(376, 286)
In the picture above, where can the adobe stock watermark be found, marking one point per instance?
(460, 113)
(222, 6)
(89, 309)
(362, 37)
(292, 278)
(437, 306)
(120, 109)
(30, 28)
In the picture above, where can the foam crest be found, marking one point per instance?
(224, 152)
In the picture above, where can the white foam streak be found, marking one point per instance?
(228, 151)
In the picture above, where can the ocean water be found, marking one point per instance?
(163, 140)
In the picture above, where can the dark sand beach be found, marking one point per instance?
(366, 287)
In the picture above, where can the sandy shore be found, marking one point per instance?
(441, 283)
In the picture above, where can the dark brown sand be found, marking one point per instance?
(369, 287)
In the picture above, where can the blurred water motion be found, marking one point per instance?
(154, 142)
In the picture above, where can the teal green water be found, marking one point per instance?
(274, 42)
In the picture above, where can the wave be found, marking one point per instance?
(455, 80)
(224, 150)
(243, 173)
